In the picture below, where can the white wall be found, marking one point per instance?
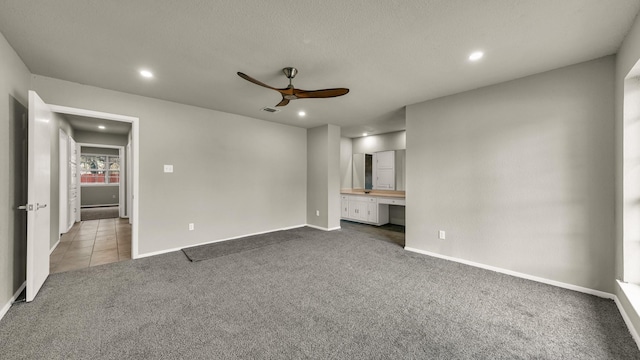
(14, 86)
(323, 176)
(233, 175)
(346, 163)
(627, 57)
(520, 175)
(59, 123)
(94, 137)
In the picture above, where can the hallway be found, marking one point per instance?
(91, 243)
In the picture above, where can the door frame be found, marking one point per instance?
(135, 168)
(123, 171)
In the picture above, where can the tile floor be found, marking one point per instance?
(91, 243)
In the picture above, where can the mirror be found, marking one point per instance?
(389, 172)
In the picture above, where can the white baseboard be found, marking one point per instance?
(581, 289)
(323, 228)
(139, 256)
(54, 246)
(7, 306)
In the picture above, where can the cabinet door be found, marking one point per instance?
(372, 212)
(345, 208)
(354, 211)
(358, 210)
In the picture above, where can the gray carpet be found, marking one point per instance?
(210, 251)
(97, 213)
(345, 294)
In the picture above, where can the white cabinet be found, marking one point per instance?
(364, 209)
(344, 203)
(384, 170)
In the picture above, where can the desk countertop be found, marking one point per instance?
(380, 193)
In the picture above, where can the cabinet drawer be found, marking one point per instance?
(364, 199)
(392, 201)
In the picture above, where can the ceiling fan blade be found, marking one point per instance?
(250, 79)
(283, 102)
(325, 93)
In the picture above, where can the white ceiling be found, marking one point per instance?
(84, 123)
(389, 53)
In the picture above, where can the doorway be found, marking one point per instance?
(102, 179)
(103, 228)
(128, 154)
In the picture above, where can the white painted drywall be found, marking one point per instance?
(233, 175)
(627, 57)
(346, 163)
(14, 86)
(59, 122)
(520, 175)
(323, 176)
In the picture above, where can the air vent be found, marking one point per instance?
(270, 109)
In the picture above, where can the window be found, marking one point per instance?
(99, 169)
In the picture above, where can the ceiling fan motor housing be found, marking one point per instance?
(290, 72)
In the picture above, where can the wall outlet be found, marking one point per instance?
(317, 212)
(442, 235)
(168, 168)
(191, 227)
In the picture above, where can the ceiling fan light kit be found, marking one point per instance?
(291, 93)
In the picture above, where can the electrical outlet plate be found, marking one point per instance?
(191, 227)
(317, 212)
(442, 235)
(168, 168)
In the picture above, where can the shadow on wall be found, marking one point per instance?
(18, 130)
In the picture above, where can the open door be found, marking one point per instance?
(39, 194)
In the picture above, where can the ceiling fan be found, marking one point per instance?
(291, 93)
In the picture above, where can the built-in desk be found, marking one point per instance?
(370, 208)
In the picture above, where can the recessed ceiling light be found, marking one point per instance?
(301, 113)
(476, 55)
(101, 127)
(364, 134)
(146, 73)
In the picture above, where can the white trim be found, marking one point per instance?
(123, 172)
(581, 289)
(54, 246)
(135, 130)
(625, 316)
(323, 228)
(91, 113)
(7, 306)
(214, 241)
(135, 175)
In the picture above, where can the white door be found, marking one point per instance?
(39, 194)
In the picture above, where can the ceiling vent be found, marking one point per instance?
(270, 109)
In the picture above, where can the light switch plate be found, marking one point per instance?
(168, 168)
